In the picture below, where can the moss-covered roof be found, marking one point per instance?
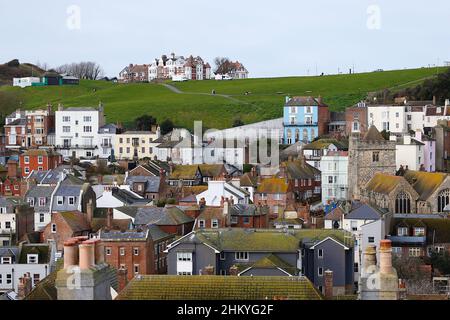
(273, 185)
(45, 289)
(76, 220)
(219, 288)
(300, 169)
(273, 261)
(425, 183)
(325, 143)
(247, 180)
(209, 213)
(313, 235)
(42, 250)
(259, 240)
(383, 183)
(184, 172)
(211, 170)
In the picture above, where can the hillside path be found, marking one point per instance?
(178, 91)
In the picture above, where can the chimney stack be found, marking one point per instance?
(385, 256)
(434, 100)
(122, 278)
(24, 287)
(70, 253)
(60, 107)
(208, 270)
(234, 270)
(328, 284)
(90, 211)
(109, 219)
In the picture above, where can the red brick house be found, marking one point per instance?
(13, 185)
(304, 178)
(356, 119)
(139, 251)
(38, 160)
(276, 193)
(66, 225)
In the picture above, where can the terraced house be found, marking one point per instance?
(263, 252)
(276, 193)
(305, 118)
(137, 144)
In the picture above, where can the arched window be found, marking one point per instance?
(289, 136)
(443, 199)
(297, 135)
(305, 135)
(403, 203)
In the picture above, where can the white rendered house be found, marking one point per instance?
(334, 166)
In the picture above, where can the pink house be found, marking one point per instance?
(429, 161)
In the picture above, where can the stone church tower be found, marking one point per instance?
(367, 156)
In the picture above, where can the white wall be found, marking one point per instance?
(394, 115)
(337, 168)
(410, 155)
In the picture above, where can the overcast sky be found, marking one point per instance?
(271, 38)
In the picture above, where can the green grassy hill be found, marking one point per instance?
(124, 102)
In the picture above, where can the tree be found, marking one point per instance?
(238, 123)
(223, 65)
(409, 269)
(441, 261)
(166, 126)
(82, 70)
(144, 123)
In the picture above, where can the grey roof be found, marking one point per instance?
(364, 212)
(246, 210)
(156, 215)
(10, 202)
(156, 233)
(37, 192)
(112, 128)
(116, 235)
(151, 183)
(9, 252)
(128, 197)
(18, 122)
(80, 109)
(66, 191)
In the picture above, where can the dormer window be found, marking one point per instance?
(30, 202)
(32, 258)
(42, 202)
(59, 201)
(71, 201)
(402, 231)
(6, 260)
(419, 231)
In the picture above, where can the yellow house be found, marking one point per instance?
(136, 144)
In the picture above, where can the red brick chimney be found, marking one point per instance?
(208, 270)
(109, 219)
(234, 270)
(13, 168)
(328, 284)
(122, 278)
(24, 287)
(90, 211)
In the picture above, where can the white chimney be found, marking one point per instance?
(407, 139)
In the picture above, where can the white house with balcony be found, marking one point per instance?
(77, 131)
(334, 166)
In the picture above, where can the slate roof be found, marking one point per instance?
(169, 215)
(37, 192)
(300, 169)
(41, 152)
(247, 210)
(218, 288)
(303, 101)
(127, 197)
(152, 183)
(364, 212)
(9, 252)
(129, 235)
(76, 220)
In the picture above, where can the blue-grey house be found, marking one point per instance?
(304, 119)
(265, 252)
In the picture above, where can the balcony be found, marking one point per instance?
(408, 239)
(76, 146)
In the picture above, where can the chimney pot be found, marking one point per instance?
(87, 255)
(70, 254)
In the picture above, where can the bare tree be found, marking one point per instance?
(82, 70)
(409, 269)
(223, 65)
(42, 65)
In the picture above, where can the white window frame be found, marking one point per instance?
(320, 253)
(32, 258)
(122, 251)
(214, 223)
(53, 227)
(241, 255)
(59, 201)
(201, 224)
(108, 251)
(320, 272)
(71, 199)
